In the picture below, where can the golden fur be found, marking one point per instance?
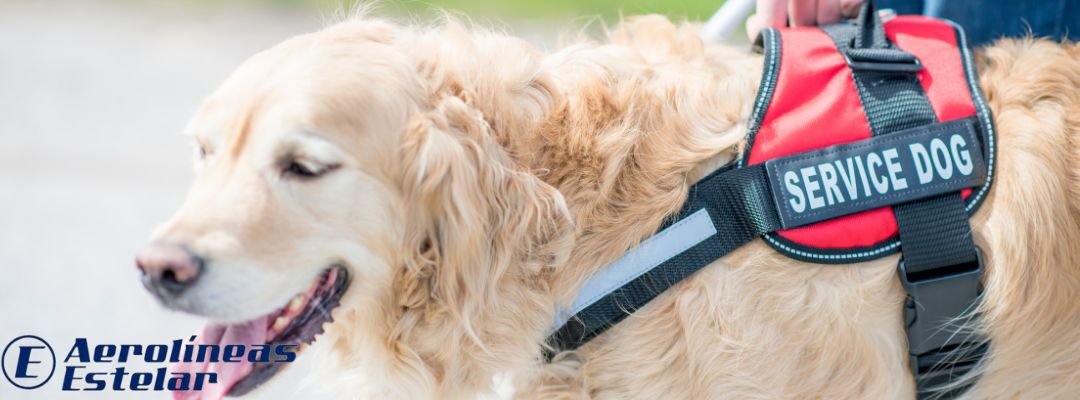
(483, 181)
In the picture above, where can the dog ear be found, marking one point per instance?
(479, 230)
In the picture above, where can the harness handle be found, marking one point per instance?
(870, 49)
(871, 32)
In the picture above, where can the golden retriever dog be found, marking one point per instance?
(428, 197)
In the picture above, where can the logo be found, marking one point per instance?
(28, 362)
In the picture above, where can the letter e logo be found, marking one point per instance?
(28, 362)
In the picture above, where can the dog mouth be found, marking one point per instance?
(295, 324)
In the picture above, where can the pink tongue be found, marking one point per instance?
(247, 334)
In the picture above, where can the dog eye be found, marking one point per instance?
(299, 170)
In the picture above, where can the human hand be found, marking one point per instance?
(777, 13)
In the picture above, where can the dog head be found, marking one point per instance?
(348, 175)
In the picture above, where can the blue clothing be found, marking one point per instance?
(987, 20)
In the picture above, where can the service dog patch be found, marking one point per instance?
(876, 172)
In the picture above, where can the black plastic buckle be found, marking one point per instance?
(938, 303)
(856, 62)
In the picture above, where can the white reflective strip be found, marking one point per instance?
(649, 254)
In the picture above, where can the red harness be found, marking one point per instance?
(814, 89)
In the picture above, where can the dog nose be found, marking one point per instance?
(168, 269)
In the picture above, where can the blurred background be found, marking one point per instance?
(93, 95)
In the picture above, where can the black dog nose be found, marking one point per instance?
(168, 269)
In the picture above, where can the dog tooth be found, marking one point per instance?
(296, 303)
(280, 324)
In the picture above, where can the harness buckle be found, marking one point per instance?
(882, 60)
(938, 303)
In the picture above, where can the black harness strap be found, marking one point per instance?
(740, 205)
(941, 267)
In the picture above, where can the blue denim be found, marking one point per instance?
(987, 20)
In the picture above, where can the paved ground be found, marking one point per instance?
(92, 97)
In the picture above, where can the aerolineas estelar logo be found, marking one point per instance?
(30, 363)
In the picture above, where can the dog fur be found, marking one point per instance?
(479, 182)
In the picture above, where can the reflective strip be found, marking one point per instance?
(652, 252)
